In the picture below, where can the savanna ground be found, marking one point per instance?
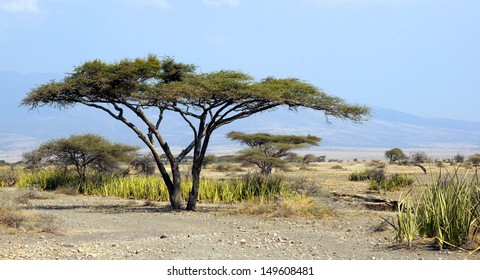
(62, 226)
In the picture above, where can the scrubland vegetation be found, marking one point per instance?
(443, 205)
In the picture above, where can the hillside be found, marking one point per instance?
(23, 130)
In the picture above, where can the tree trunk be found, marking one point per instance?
(198, 156)
(175, 192)
(193, 197)
(266, 169)
(173, 186)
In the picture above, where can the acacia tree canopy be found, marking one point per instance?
(268, 150)
(85, 152)
(205, 101)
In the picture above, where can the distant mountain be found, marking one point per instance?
(22, 130)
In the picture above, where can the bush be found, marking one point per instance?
(377, 174)
(13, 216)
(391, 183)
(360, 175)
(227, 167)
(306, 186)
(8, 179)
(475, 159)
(145, 164)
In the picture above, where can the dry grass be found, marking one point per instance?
(296, 206)
(25, 196)
(13, 216)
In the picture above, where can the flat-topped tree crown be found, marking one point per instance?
(269, 150)
(205, 101)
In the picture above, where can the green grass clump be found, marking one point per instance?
(391, 183)
(448, 209)
(406, 223)
(47, 180)
(360, 175)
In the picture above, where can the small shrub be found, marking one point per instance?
(360, 175)
(459, 158)
(19, 219)
(28, 195)
(12, 218)
(377, 174)
(474, 159)
(391, 183)
(225, 167)
(297, 206)
(419, 157)
(306, 186)
(8, 179)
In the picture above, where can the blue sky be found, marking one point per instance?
(416, 56)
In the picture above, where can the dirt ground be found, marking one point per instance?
(105, 228)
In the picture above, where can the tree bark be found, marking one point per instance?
(175, 192)
(193, 197)
(173, 184)
(198, 155)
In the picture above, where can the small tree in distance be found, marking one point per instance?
(419, 157)
(309, 158)
(395, 154)
(84, 152)
(144, 163)
(474, 159)
(267, 150)
(459, 158)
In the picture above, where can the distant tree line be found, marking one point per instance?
(396, 155)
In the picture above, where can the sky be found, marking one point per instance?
(415, 56)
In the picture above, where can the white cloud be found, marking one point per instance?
(218, 3)
(19, 6)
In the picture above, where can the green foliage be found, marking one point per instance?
(406, 224)
(474, 159)
(269, 151)
(128, 89)
(309, 158)
(257, 156)
(391, 183)
(360, 175)
(84, 152)
(209, 159)
(251, 187)
(447, 209)
(395, 155)
(380, 181)
(419, 157)
(145, 164)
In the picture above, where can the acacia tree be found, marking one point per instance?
(84, 152)
(395, 154)
(267, 150)
(205, 101)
